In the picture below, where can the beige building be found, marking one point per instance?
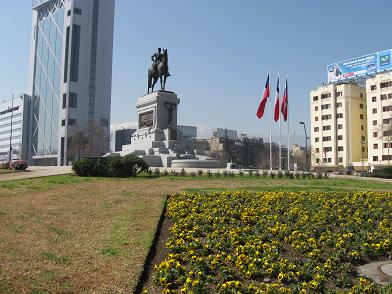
(338, 125)
(379, 113)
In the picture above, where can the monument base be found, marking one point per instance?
(157, 139)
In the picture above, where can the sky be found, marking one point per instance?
(220, 53)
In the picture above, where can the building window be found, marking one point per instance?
(66, 54)
(73, 100)
(360, 95)
(374, 99)
(362, 127)
(363, 149)
(375, 134)
(317, 150)
(64, 101)
(329, 159)
(69, 13)
(316, 108)
(361, 116)
(383, 97)
(340, 159)
(72, 122)
(77, 11)
(373, 87)
(374, 110)
(63, 122)
(104, 122)
(316, 129)
(327, 95)
(324, 160)
(340, 137)
(386, 145)
(387, 108)
(385, 85)
(316, 139)
(375, 158)
(387, 157)
(387, 121)
(390, 96)
(375, 146)
(316, 118)
(387, 133)
(374, 122)
(361, 106)
(325, 106)
(327, 149)
(340, 148)
(75, 53)
(326, 138)
(317, 160)
(315, 98)
(338, 94)
(339, 104)
(339, 115)
(326, 116)
(340, 126)
(326, 128)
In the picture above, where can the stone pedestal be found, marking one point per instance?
(157, 133)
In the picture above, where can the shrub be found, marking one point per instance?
(225, 173)
(241, 173)
(265, 173)
(183, 172)
(303, 175)
(18, 165)
(4, 165)
(127, 166)
(250, 173)
(218, 174)
(149, 172)
(193, 174)
(200, 172)
(287, 174)
(297, 175)
(232, 174)
(385, 173)
(209, 174)
(257, 174)
(280, 174)
(157, 172)
(325, 175)
(174, 172)
(273, 175)
(165, 172)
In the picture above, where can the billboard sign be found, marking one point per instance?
(356, 67)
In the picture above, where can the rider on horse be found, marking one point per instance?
(157, 58)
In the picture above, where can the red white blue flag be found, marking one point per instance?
(285, 102)
(264, 99)
(277, 104)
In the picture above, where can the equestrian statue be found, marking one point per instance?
(159, 69)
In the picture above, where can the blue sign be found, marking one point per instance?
(356, 67)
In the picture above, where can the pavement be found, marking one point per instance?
(37, 172)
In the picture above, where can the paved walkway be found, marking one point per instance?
(37, 172)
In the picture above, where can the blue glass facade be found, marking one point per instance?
(47, 79)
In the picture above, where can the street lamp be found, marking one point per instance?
(306, 145)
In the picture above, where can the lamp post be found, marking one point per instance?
(12, 116)
(306, 145)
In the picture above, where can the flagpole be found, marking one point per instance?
(270, 115)
(288, 125)
(280, 140)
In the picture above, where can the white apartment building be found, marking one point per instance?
(70, 74)
(338, 125)
(379, 112)
(15, 130)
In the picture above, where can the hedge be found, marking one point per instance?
(127, 166)
(385, 173)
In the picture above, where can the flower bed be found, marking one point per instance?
(274, 242)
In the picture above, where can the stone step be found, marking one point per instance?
(161, 150)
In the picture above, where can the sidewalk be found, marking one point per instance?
(37, 172)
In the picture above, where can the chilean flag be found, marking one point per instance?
(263, 102)
(277, 104)
(285, 102)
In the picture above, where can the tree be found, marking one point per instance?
(78, 143)
(98, 140)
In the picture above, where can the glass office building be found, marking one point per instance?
(70, 73)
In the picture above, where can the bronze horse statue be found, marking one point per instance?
(161, 71)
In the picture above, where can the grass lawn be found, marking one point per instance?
(70, 234)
